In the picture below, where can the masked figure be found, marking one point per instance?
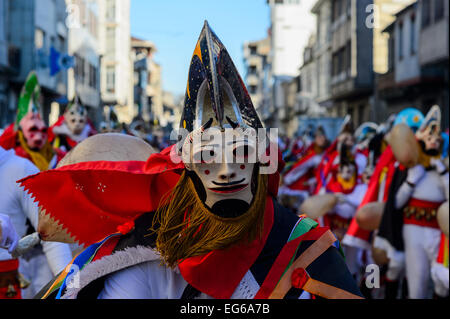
(204, 207)
(363, 136)
(28, 136)
(350, 191)
(409, 231)
(329, 163)
(299, 180)
(381, 166)
(72, 127)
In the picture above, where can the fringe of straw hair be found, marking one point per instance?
(185, 227)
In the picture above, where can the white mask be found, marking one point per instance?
(224, 164)
(76, 119)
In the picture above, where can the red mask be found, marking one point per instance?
(34, 131)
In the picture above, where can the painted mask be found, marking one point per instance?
(28, 117)
(429, 133)
(347, 172)
(75, 117)
(34, 131)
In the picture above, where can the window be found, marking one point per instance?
(110, 10)
(92, 76)
(344, 4)
(253, 49)
(391, 52)
(341, 60)
(348, 57)
(337, 9)
(438, 10)
(93, 22)
(79, 68)
(349, 7)
(413, 35)
(39, 39)
(426, 12)
(110, 79)
(252, 89)
(400, 41)
(335, 69)
(110, 39)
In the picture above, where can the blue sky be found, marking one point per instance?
(174, 27)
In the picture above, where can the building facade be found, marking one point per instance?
(256, 61)
(84, 46)
(116, 81)
(418, 64)
(291, 25)
(37, 36)
(382, 14)
(142, 52)
(351, 60)
(434, 53)
(322, 51)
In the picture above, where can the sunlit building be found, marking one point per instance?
(116, 66)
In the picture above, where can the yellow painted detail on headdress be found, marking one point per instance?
(187, 89)
(198, 51)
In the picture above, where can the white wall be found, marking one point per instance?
(122, 59)
(292, 24)
(86, 45)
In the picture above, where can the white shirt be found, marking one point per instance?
(348, 208)
(19, 206)
(151, 280)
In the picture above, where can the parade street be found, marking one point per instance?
(218, 150)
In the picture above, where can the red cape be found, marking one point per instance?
(326, 165)
(8, 140)
(108, 193)
(300, 184)
(386, 160)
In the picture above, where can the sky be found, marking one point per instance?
(174, 26)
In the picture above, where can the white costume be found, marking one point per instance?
(346, 208)
(422, 242)
(19, 206)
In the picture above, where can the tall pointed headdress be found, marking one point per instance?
(347, 125)
(75, 104)
(29, 98)
(431, 125)
(215, 93)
